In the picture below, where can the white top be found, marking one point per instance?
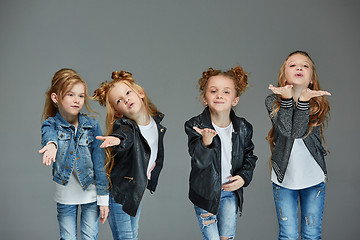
(151, 134)
(74, 194)
(302, 170)
(225, 135)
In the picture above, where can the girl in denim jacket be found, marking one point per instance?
(136, 158)
(298, 110)
(69, 142)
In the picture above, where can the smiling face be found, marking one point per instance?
(298, 71)
(71, 103)
(220, 94)
(126, 101)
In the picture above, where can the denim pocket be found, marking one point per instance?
(86, 140)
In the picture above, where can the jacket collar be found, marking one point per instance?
(83, 121)
(206, 119)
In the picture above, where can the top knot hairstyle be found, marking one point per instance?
(102, 96)
(237, 74)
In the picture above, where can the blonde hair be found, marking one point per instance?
(62, 82)
(237, 74)
(102, 96)
(319, 106)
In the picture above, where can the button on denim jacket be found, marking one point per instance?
(81, 148)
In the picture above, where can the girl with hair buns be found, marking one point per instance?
(68, 140)
(298, 110)
(134, 149)
(221, 150)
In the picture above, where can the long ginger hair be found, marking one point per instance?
(102, 96)
(319, 106)
(62, 82)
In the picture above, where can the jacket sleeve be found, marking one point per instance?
(249, 161)
(125, 133)
(98, 158)
(289, 121)
(200, 154)
(48, 132)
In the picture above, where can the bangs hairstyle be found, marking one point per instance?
(237, 74)
(319, 106)
(102, 96)
(62, 82)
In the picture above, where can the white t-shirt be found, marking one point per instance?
(151, 134)
(302, 170)
(74, 194)
(225, 135)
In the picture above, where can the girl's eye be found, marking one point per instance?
(292, 65)
(306, 66)
(82, 96)
(227, 92)
(118, 101)
(128, 92)
(213, 91)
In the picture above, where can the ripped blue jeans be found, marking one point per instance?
(311, 206)
(224, 223)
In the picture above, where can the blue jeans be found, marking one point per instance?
(123, 226)
(311, 205)
(224, 223)
(67, 217)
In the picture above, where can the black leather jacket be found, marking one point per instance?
(128, 176)
(205, 176)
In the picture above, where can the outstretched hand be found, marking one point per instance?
(207, 135)
(307, 94)
(235, 183)
(109, 141)
(49, 152)
(104, 212)
(284, 92)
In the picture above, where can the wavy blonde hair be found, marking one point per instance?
(102, 96)
(319, 106)
(62, 82)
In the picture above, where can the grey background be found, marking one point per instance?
(167, 45)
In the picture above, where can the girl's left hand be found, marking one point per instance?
(307, 94)
(104, 212)
(235, 183)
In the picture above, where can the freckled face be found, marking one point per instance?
(298, 70)
(72, 102)
(220, 94)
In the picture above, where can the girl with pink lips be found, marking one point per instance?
(134, 150)
(221, 150)
(298, 110)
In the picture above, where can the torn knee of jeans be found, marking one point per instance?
(226, 238)
(205, 223)
(205, 215)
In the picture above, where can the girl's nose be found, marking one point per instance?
(299, 67)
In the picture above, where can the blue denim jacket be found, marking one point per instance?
(81, 147)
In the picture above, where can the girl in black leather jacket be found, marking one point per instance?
(221, 150)
(135, 159)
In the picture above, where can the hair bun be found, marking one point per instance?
(120, 75)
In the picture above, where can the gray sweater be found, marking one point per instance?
(292, 121)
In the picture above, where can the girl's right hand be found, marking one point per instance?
(207, 135)
(49, 152)
(109, 141)
(284, 92)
